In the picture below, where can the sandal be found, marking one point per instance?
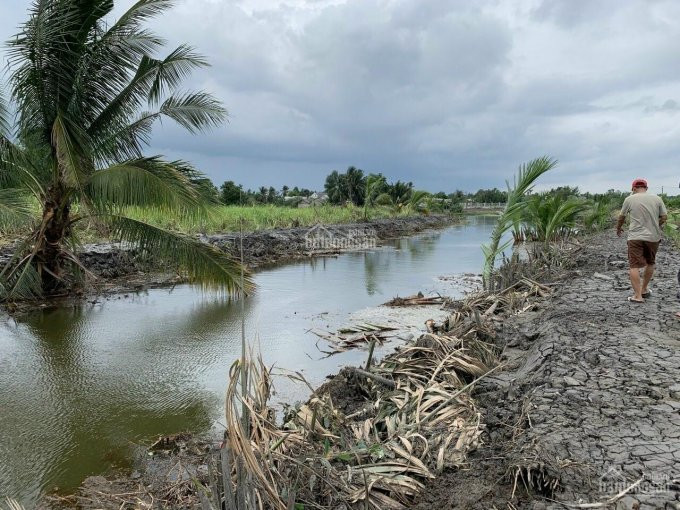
(647, 294)
(633, 300)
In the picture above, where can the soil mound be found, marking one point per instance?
(588, 414)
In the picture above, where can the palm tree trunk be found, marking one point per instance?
(53, 231)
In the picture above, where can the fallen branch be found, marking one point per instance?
(368, 375)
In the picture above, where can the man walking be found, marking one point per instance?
(647, 216)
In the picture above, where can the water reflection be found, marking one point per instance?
(79, 385)
(97, 382)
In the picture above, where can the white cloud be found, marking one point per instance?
(445, 93)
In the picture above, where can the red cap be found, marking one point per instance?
(639, 183)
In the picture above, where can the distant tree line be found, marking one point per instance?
(368, 189)
(231, 193)
(352, 186)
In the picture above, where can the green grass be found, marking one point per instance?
(673, 226)
(259, 217)
(223, 218)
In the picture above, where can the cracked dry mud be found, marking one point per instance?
(590, 399)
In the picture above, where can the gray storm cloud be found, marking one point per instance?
(448, 94)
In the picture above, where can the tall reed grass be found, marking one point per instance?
(221, 218)
(673, 227)
(259, 217)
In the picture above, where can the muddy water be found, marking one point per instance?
(79, 387)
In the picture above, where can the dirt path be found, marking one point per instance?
(591, 402)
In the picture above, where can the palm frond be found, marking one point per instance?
(7, 148)
(204, 264)
(70, 152)
(170, 71)
(4, 117)
(384, 199)
(20, 280)
(13, 504)
(524, 181)
(121, 46)
(149, 182)
(112, 61)
(46, 55)
(564, 217)
(15, 208)
(417, 196)
(195, 112)
(18, 170)
(21, 168)
(128, 141)
(152, 79)
(114, 56)
(141, 12)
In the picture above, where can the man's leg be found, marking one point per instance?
(636, 282)
(649, 272)
(636, 261)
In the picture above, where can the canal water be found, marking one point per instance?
(81, 386)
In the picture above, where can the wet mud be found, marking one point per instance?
(587, 413)
(122, 270)
(268, 247)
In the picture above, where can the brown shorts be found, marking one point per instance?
(642, 253)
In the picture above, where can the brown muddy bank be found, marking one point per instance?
(587, 415)
(121, 270)
(585, 412)
(117, 269)
(267, 247)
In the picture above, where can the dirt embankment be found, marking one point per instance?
(272, 246)
(590, 403)
(585, 412)
(119, 268)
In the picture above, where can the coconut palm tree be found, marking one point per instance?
(87, 94)
(336, 187)
(375, 184)
(356, 185)
(524, 181)
(548, 217)
(401, 192)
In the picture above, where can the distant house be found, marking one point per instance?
(315, 199)
(294, 200)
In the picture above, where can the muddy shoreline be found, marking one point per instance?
(584, 414)
(260, 248)
(587, 415)
(119, 270)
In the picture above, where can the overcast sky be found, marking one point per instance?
(447, 94)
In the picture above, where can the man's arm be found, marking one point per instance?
(619, 225)
(662, 220)
(622, 216)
